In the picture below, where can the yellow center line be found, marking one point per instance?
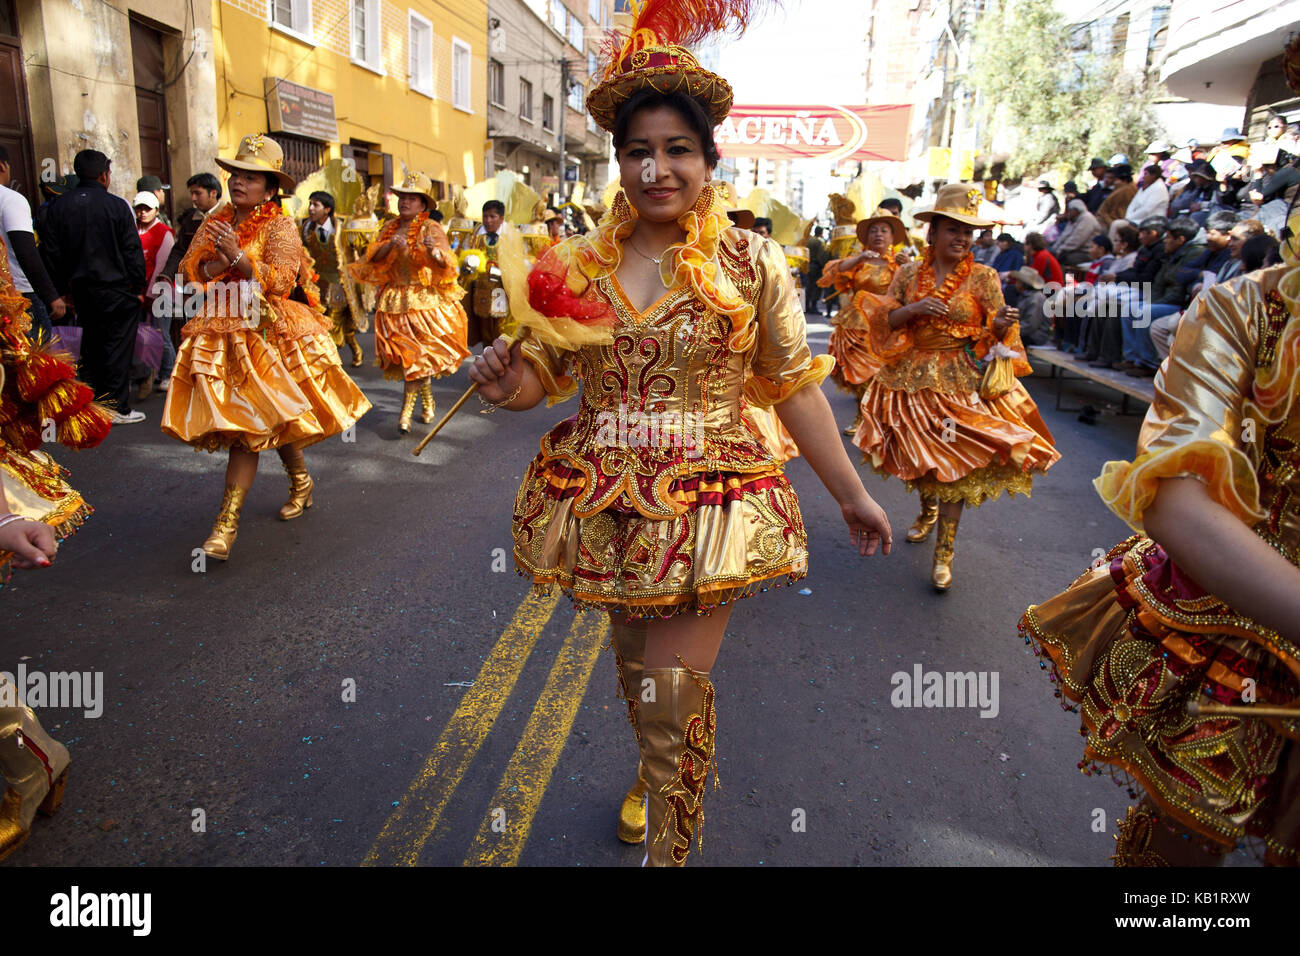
(524, 783)
(411, 825)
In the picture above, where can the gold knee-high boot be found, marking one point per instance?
(926, 520)
(408, 408)
(226, 527)
(427, 402)
(628, 641)
(300, 489)
(677, 733)
(350, 336)
(35, 767)
(941, 572)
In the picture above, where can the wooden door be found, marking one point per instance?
(151, 106)
(15, 120)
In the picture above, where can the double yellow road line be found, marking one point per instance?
(519, 794)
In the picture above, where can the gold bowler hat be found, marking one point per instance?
(653, 55)
(417, 184)
(895, 226)
(744, 218)
(259, 153)
(959, 201)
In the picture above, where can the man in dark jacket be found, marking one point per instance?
(1101, 187)
(92, 251)
(1170, 293)
(1105, 334)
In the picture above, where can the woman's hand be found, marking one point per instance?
(868, 525)
(397, 242)
(429, 241)
(1004, 319)
(32, 543)
(928, 307)
(499, 371)
(226, 241)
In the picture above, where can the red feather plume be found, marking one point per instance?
(684, 22)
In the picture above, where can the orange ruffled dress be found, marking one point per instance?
(923, 419)
(850, 343)
(420, 324)
(255, 369)
(1134, 641)
(660, 495)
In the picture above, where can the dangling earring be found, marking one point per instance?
(705, 202)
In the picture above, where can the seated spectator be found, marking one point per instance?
(1071, 247)
(1102, 186)
(1237, 237)
(1070, 192)
(1035, 319)
(1010, 257)
(1203, 271)
(1196, 195)
(1152, 197)
(1120, 295)
(1115, 206)
(1170, 293)
(1042, 260)
(1260, 251)
(1101, 258)
(1273, 190)
(985, 249)
(1126, 246)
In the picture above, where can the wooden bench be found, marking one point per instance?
(1062, 363)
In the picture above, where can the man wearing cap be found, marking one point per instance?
(1071, 248)
(1114, 207)
(91, 249)
(1152, 197)
(1047, 209)
(1101, 186)
(155, 185)
(29, 275)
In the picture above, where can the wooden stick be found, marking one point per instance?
(451, 411)
(1253, 710)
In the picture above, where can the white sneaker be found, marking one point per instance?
(162, 386)
(129, 419)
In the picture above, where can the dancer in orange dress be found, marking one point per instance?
(957, 433)
(870, 271)
(256, 371)
(420, 324)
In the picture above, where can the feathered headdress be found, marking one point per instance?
(653, 54)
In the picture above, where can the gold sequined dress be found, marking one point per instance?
(923, 419)
(1135, 640)
(850, 342)
(257, 369)
(660, 494)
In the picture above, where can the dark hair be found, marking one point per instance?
(435, 215)
(762, 221)
(4, 156)
(1006, 237)
(1130, 236)
(90, 164)
(324, 198)
(1035, 241)
(1157, 223)
(1256, 252)
(817, 230)
(892, 203)
(1154, 168)
(1222, 220)
(1103, 240)
(685, 106)
(495, 204)
(205, 181)
(1123, 172)
(1184, 226)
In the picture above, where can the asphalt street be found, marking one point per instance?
(372, 683)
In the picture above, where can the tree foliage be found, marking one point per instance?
(1063, 105)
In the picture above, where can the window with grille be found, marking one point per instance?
(421, 47)
(526, 100)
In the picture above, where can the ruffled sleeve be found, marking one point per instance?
(886, 342)
(370, 271)
(1195, 426)
(552, 365)
(987, 292)
(428, 270)
(782, 362)
(833, 277)
(276, 269)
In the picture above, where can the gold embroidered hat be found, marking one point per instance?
(653, 55)
(959, 201)
(417, 184)
(259, 153)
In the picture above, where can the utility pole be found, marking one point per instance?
(564, 123)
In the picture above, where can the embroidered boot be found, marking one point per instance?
(427, 402)
(300, 489)
(628, 641)
(926, 520)
(350, 337)
(36, 768)
(226, 527)
(1147, 837)
(941, 573)
(408, 408)
(677, 734)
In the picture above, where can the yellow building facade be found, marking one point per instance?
(384, 84)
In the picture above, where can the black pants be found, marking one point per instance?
(108, 324)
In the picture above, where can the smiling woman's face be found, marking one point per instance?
(661, 165)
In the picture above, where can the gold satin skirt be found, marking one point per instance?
(242, 389)
(855, 362)
(739, 535)
(1132, 672)
(421, 342)
(924, 422)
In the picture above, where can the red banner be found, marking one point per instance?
(816, 132)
